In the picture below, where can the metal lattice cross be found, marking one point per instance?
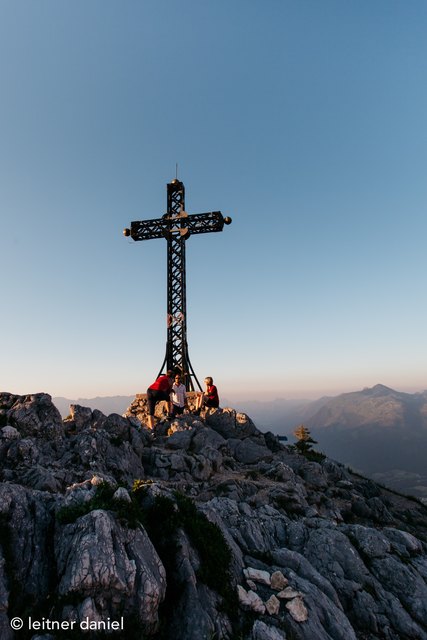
(176, 226)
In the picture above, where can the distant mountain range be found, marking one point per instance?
(381, 432)
(107, 404)
(374, 430)
(378, 431)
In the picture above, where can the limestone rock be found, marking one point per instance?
(242, 594)
(272, 605)
(402, 542)
(262, 631)
(35, 415)
(26, 542)
(207, 438)
(278, 581)
(288, 594)
(180, 439)
(79, 418)
(10, 433)
(297, 609)
(263, 577)
(231, 424)
(255, 602)
(93, 522)
(96, 555)
(197, 612)
(122, 495)
(247, 452)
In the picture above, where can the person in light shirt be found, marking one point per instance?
(178, 397)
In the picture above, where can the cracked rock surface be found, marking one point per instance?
(202, 528)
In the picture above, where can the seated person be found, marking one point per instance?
(178, 397)
(210, 396)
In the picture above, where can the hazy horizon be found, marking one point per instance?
(272, 397)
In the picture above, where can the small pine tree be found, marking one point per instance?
(304, 440)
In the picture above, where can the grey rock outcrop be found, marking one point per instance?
(204, 527)
(105, 562)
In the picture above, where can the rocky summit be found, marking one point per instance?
(204, 528)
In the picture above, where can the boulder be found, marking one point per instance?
(255, 603)
(207, 438)
(79, 418)
(263, 631)
(36, 416)
(96, 555)
(272, 605)
(263, 577)
(297, 609)
(249, 452)
(180, 439)
(278, 581)
(231, 424)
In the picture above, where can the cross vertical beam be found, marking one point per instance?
(176, 346)
(177, 226)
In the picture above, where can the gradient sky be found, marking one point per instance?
(303, 120)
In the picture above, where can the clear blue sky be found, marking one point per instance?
(303, 120)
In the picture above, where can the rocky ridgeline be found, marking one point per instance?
(205, 528)
(139, 408)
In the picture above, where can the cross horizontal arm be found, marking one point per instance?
(206, 222)
(184, 225)
(147, 229)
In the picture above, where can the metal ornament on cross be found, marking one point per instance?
(176, 226)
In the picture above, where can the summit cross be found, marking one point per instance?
(176, 226)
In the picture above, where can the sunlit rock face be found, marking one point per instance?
(203, 527)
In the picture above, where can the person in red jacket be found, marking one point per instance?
(209, 398)
(159, 390)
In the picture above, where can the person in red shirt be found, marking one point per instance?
(209, 398)
(159, 390)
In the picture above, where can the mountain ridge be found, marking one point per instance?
(106, 404)
(204, 527)
(378, 430)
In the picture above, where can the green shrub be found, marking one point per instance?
(252, 474)
(127, 512)
(214, 553)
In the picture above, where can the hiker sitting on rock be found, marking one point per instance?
(158, 391)
(210, 396)
(178, 397)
